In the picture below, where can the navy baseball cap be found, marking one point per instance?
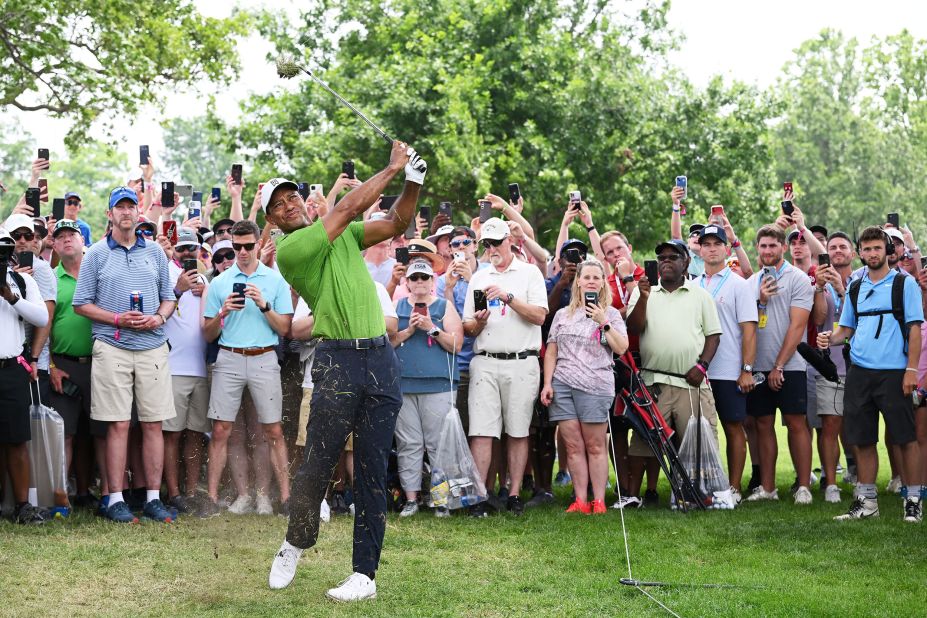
(122, 193)
(696, 228)
(71, 194)
(676, 245)
(574, 243)
(712, 230)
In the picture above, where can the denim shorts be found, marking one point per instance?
(571, 404)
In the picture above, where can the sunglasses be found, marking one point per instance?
(147, 233)
(224, 230)
(672, 257)
(186, 248)
(489, 242)
(73, 203)
(461, 243)
(21, 235)
(419, 277)
(247, 246)
(222, 256)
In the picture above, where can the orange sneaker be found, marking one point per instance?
(580, 507)
(598, 507)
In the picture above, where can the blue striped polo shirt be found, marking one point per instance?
(109, 273)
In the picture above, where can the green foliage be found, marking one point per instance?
(85, 59)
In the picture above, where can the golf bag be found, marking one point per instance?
(639, 408)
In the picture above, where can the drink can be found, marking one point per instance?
(136, 301)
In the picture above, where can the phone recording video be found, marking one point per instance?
(167, 194)
(143, 155)
(893, 219)
(58, 208)
(651, 272)
(823, 259)
(787, 208)
(32, 201)
(485, 211)
(236, 173)
(479, 300)
(514, 192)
(348, 168)
(402, 255)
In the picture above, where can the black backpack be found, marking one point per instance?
(897, 309)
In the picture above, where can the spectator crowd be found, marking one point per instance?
(182, 363)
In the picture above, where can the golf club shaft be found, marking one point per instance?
(382, 133)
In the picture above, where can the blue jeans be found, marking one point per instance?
(354, 391)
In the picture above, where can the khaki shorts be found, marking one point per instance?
(304, 407)
(677, 409)
(118, 376)
(191, 402)
(232, 373)
(829, 397)
(502, 395)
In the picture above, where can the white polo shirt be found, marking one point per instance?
(13, 318)
(506, 331)
(184, 331)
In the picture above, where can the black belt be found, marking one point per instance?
(9, 362)
(354, 344)
(510, 355)
(83, 360)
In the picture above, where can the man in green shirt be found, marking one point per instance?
(71, 348)
(356, 372)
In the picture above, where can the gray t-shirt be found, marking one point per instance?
(48, 288)
(834, 308)
(795, 290)
(736, 304)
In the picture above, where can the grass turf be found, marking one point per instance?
(790, 561)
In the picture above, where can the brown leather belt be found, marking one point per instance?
(249, 351)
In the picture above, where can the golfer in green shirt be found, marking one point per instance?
(356, 372)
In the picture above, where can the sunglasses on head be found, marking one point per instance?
(466, 242)
(419, 277)
(20, 235)
(222, 256)
(490, 242)
(671, 257)
(247, 246)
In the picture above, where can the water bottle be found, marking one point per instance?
(758, 378)
(440, 489)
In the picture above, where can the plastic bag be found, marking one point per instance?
(455, 480)
(46, 457)
(702, 462)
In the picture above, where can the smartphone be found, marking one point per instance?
(479, 300)
(410, 230)
(402, 255)
(787, 208)
(459, 256)
(786, 187)
(445, 208)
(425, 213)
(24, 259)
(43, 154)
(239, 289)
(683, 182)
(197, 197)
(69, 388)
(514, 192)
(770, 271)
(923, 262)
(651, 272)
(348, 168)
(32, 200)
(387, 201)
(184, 190)
(169, 230)
(573, 256)
(217, 194)
(3, 270)
(823, 260)
(43, 184)
(236, 173)
(717, 211)
(420, 308)
(892, 217)
(167, 194)
(591, 298)
(485, 210)
(143, 155)
(58, 208)
(194, 211)
(189, 265)
(575, 198)
(303, 189)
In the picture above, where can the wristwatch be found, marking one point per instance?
(606, 327)
(627, 279)
(434, 332)
(747, 368)
(266, 308)
(509, 298)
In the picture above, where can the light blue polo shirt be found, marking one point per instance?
(109, 273)
(886, 352)
(249, 327)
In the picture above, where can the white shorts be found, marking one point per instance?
(502, 395)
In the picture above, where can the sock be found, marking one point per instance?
(152, 494)
(115, 498)
(755, 469)
(914, 491)
(371, 574)
(866, 490)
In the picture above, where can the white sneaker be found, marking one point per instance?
(355, 588)
(442, 511)
(723, 500)
(812, 479)
(761, 494)
(410, 509)
(325, 511)
(264, 506)
(736, 495)
(894, 485)
(243, 505)
(803, 495)
(913, 510)
(860, 509)
(283, 570)
(832, 494)
(630, 502)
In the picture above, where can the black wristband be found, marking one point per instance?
(628, 279)
(590, 228)
(266, 308)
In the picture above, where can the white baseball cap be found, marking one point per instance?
(494, 229)
(18, 220)
(421, 266)
(268, 189)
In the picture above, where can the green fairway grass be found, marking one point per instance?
(790, 561)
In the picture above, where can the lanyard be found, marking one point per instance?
(836, 297)
(704, 278)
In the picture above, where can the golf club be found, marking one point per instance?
(287, 68)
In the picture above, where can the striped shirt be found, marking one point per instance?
(109, 273)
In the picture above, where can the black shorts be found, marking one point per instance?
(75, 410)
(730, 402)
(792, 398)
(868, 391)
(463, 400)
(14, 405)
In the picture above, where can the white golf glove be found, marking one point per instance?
(416, 168)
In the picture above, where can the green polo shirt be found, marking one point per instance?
(70, 333)
(333, 279)
(676, 325)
